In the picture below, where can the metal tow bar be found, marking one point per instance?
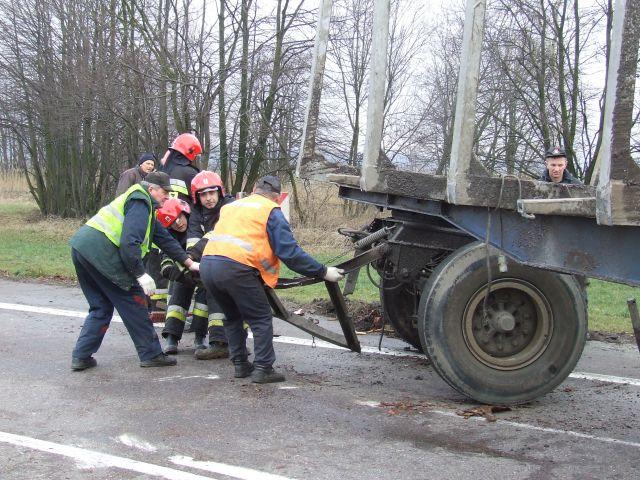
(349, 339)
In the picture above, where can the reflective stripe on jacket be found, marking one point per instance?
(241, 235)
(110, 218)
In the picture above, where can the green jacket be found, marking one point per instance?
(101, 251)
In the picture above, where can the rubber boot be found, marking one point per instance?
(262, 374)
(243, 368)
(171, 347)
(215, 350)
(198, 344)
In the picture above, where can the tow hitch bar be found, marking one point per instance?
(349, 339)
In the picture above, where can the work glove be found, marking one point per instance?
(171, 271)
(195, 267)
(147, 284)
(334, 274)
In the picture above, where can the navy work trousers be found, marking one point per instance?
(103, 296)
(240, 293)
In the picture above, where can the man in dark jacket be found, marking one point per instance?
(242, 255)
(556, 168)
(128, 178)
(107, 253)
(178, 163)
(207, 194)
(209, 197)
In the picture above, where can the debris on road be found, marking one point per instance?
(486, 411)
(611, 337)
(395, 408)
(367, 317)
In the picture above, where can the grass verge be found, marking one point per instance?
(32, 246)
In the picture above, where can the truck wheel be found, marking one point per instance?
(400, 308)
(526, 342)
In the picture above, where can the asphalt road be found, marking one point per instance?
(339, 415)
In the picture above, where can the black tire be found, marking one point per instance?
(527, 343)
(399, 303)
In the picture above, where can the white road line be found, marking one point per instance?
(97, 459)
(51, 311)
(605, 378)
(527, 426)
(131, 441)
(317, 343)
(322, 344)
(224, 469)
(186, 377)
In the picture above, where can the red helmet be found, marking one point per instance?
(205, 181)
(171, 210)
(188, 145)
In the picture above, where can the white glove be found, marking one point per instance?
(334, 274)
(147, 284)
(194, 267)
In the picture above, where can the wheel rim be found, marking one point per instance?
(516, 329)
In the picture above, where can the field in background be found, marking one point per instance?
(33, 246)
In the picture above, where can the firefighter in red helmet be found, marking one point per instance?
(174, 216)
(179, 164)
(207, 195)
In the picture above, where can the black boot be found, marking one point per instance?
(198, 344)
(78, 364)
(262, 374)
(171, 348)
(161, 360)
(243, 368)
(215, 350)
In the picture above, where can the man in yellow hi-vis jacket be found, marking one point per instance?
(107, 253)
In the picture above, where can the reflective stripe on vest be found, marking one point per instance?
(241, 235)
(191, 242)
(179, 186)
(110, 218)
